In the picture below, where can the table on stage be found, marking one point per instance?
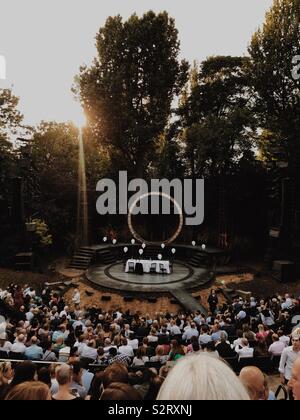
(157, 266)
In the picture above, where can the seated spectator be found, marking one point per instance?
(190, 332)
(6, 375)
(44, 376)
(117, 391)
(5, 345)
(29, 391)
(277, 347)
(89, 351)
(177, 351)
(141, 357)
(153, 338)
(19, 345)
(125, 348)
(262, 333)
(76, 384)
(49, 355)
(159, 355)
(199, 377)
(210, 350)
(261, 349)
(284, 338)
(243, 350)
(114, 357)
(34, 352)
(194, 346)
(63, 375)
(24, 372)
(115, 373)
(224, 348)
(254, 381)
(204, 337)
(133, 342)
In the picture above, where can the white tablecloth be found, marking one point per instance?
(147, 265)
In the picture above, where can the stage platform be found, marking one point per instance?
(114, 277)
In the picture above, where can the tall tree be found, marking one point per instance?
(128, 92)
(215, 117)
(272, 51)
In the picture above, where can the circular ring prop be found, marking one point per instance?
(159, 194)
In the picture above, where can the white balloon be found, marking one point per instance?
(193, 243)
(141, 252)
(143, 246)
(133, 241)
(159, 256)
(163, 246)
(114, 241)
(203, 247)
(125, 249)
(104, 239)
(173, 250)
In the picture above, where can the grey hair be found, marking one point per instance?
(201, 377)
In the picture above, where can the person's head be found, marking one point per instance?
(275, 337)
(254, 381)
(115, 373)
(63, 374)
(6, 372)
(24, 372)
(120, 392)
(77, 371)
(113, 351)
(296, 342)
(44, 376)
(294, 382)
(29, 391)
(124, 341)
(200, 377)
(33, 340)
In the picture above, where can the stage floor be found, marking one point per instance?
(114, 277)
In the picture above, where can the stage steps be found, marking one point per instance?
(188, 301)
(199, 259)
(82, 258)
(107, 256)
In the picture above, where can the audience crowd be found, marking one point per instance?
(49, 350)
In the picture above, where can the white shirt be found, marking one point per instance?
(7, 346)
(18, 348)
(89, 353)
(76, 298)
(244, 352)
(133, 343)
(276, 348)
(191, 332)
(175, 330)
(127, 350)
(204, 339)
(287, 359)
(285, 339)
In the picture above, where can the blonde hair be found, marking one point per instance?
(201, 377)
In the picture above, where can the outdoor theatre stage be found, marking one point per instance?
(192, 267)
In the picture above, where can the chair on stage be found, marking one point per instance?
(153, 268)
(162, 269)
(139, 269)
(131, 267)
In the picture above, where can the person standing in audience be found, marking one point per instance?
(288, 357)
(213, 301)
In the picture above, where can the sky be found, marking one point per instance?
(44, 42)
